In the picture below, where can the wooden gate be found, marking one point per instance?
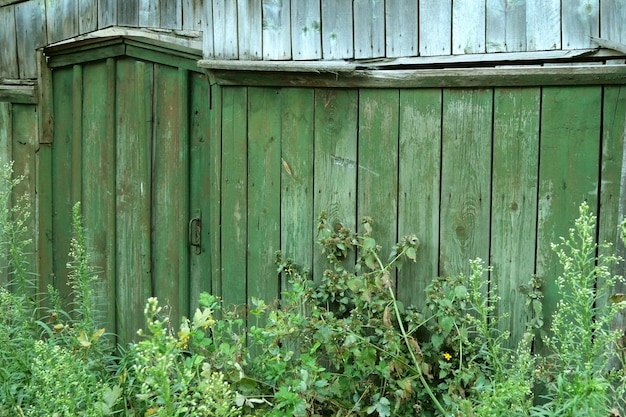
(131, 137)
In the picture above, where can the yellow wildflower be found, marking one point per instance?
(447, 356)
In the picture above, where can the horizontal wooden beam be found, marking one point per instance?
(466, 77)
(18, 91)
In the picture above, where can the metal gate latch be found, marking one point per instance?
(195, 234)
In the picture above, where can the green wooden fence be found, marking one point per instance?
(188, 187)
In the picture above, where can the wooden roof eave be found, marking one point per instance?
(497, 69)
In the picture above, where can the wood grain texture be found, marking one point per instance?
(465, 178)
(215, 180)
(543, 25)
(31, 34)
(612, 18)
(337, 21)
(581, 21)
(506, 25)
(234, 207)
(276, 29)
(401, 28)
(435, 27)
(193, 14)
(250, 29)
(377, 185)
(87, 16)
(133, 195)
(419, 188)
(61, 19)
(335, 164)
(306, 29)
(369, 28)
(149, 12)
(170, 14)
(514, 202)
(208, 49)
(568, 173)
(468, 26)
(8, 48)
(225, 45)
(107, 13)
(6, 156)
(297, 156)
(128, 12)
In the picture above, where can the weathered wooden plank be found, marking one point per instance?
(543, 25)
(200, 194)
(207, 29)
(468, 26)
(306, 29)
(465, 178)
(250, 29)
(171, 14)
(612, 18)
(45, 258)
(369, 28)
(401, 28)
(435, 27)
(377, 185)
(568, 173)
(8, 48)
(31, 34)
(419, 188)
(514, 202)
(6, 156)
(149, 13)
(87, 16)
(61, 19)
(215, 179)
(128, 12)
(107, 13)
(98, 176)
(76, 180)
(225, 44)
(234, 207)
(297, 217)
(335, 164)
(193, 14)
(170, 190)
(44, 97)
(581, 20)
(18, 93)
(62, 176)
(264, 167)
(337, 36)
(133, 195)
(506, 25)
(276, 29)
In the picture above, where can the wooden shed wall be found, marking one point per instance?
(318, 29)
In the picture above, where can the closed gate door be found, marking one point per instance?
(130, 140)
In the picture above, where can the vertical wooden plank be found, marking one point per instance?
(193, 13)
(297, 217)
(514, 202)
(107, 13)
(401, 28)
(201, 136)
(543, 25)
(171, 14)
(170, 190)
(215, 180)
(62, 175)
(468, 27)
(234, 195)
(419, 188)
(335, 164)
(369, 28)
(207, 30)
(133, 195)
(31, 34)
(581, 20)
(8, 47)
(250, 29)
(612, 18)
(264, 167)
(568, 173)
(377, 185)
(337, 36)
(45, 259)
(6, 156)
(224, 21)
(435, 27)
(465, 179)
(276, 29)
(506, 26)
(98, 173)
(87, 16)
(128, 12)
(61, 19)
(77, 133)
(149, 13)
(306, 29)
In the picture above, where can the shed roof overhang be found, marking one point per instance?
(584, 66)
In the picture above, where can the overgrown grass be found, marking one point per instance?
(337, 345)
